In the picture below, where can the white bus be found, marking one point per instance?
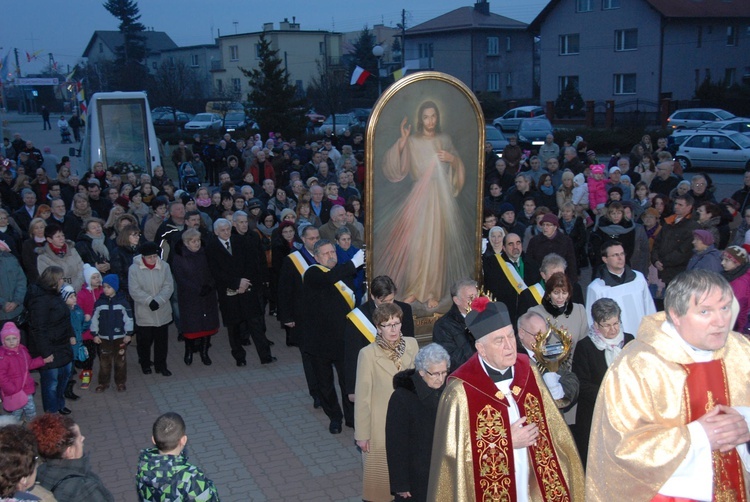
(120, 133)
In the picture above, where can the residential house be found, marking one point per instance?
(637, 52)
(198, 58)
(486, 51)
(103, 45)
(300, 50)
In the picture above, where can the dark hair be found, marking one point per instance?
(123, 238)
(54, 434)
(18, 451)
(51, 229)
(382, 286)
(687, 198)
(167, 431)
(610, 243)
(711, 208)
(425, 106)
(159, 201)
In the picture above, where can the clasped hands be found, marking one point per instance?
(725, 427)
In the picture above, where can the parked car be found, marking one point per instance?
(532, 133)
(493, 135)
(344, 121)
(512, 118)
(164, 122)
(715, 149)
(690, 118)
(737, 124)
(235, 121)
(205, 122)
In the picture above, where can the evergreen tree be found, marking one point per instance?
(366, 94)
(569, 103)
(130, 72)
(274, 104)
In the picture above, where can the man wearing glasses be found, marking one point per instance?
(624, 285)
(498, 434)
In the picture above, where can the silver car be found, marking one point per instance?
(715, 149)
(512, 118)
(205, 122)
(690, 118)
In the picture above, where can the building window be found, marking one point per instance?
(101, 48)
(729, 75)
(236, 85)
(493, 46)
(322, 48)
(625, 83)
(626, 40)
(234, 53)
(700, 37)
(509, 80)
(610, 4)
(257, 51)
(570, 44)
(732, 35)
(493, 82)
(507, 44)
(564, 81)
(425, 50)
(584, 5)
(219, 85)
(194, 60)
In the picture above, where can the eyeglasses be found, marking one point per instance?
(439, 374)
(395, 325)
(608, 327)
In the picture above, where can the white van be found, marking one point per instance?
(120, 133)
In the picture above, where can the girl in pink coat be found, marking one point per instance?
(597, 188)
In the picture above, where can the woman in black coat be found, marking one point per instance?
(612, 226)
(574, 227)
(593, 355)
(196, 295)
(410, 422)
(51, 334)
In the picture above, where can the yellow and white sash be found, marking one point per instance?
(299, 262)
(511, 274)
(363, 324)
(346, 292)
(537, 291)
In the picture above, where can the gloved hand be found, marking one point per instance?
(205, 290)
(552, 380)
(359, 259)
(484, 245)
(154, 305)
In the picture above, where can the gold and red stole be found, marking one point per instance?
(706, 387)
(492, 448)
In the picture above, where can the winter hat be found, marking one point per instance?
(253, 204)
(9, 329)
(66, 291)
(286, 212)
(88, 272)
(112, 280)
(579, 179)
(567, 175)
(615, 169)
(625, 178)
(615, 189)
(550, 218)
(505, 207)
(597, 169)
(123, 201)
(705, 237)
(736, 254)
(149, 248)
(590, 153)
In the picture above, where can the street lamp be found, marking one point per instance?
(378, 51)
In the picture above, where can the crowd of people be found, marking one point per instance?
(90, 264)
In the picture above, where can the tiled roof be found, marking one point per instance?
(466, 18)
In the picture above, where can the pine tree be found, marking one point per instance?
(569, 103)
(362, 56)
(274, 104)
(130, 72)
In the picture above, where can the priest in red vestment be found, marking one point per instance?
(499, 435)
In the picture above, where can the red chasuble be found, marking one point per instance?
(492, 448)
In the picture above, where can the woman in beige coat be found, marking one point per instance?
(376, 366)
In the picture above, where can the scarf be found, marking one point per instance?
(86, 213)
(555, 310)
(567, 225)
(394, 351)
(267, 231)
(97, 244)
(150, 267)
(610, 346)
(733, 274)
(547, 190)
(61, 252)
(205, 202)
(39, 240)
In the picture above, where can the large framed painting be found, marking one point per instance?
(423, 224)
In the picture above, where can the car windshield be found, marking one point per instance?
(740, 139)
(724, 115)
(203, 117)
(536, 125)
(235, 116)
(340, 119)
(493, 134)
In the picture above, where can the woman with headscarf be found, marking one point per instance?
(593, 355)
(410, 422)
(495, 237)
(377, 364)
(66, 470)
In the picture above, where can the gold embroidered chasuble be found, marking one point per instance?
(639, 433)
(472, 453)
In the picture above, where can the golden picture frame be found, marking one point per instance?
(424, 184)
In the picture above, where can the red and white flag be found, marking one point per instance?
(359, 75)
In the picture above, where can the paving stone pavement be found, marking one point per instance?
(253, 430)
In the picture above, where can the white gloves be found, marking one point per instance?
(552, 380)
(359, 259)
(484, 245)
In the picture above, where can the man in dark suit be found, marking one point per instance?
(320, 206)
(25, 213)
(235, 263)
(506, 281)
(328, 296)
(360, 330)
(450, 330)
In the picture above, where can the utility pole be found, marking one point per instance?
(403, 38)
(18, 64)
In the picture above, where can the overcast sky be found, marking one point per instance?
(64, 28)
